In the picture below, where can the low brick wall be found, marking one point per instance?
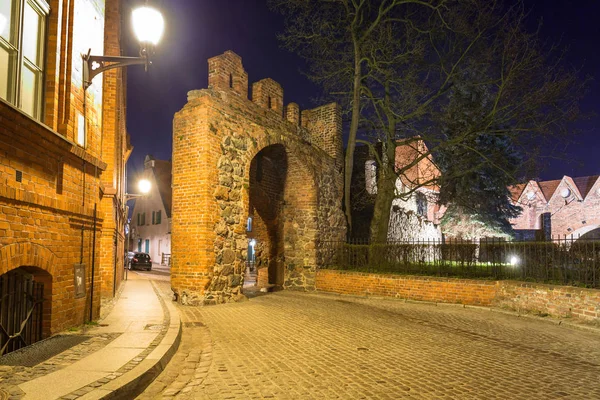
(422, 288)
(557, 301)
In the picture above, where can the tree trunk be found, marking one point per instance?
(386, 192)
(349, 160)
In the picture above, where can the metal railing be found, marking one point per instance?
(165, 259)
(565, 261)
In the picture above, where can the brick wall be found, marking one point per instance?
(441, 290)
(218, 141)
(556, 301)
(47, 216)
(47, 219)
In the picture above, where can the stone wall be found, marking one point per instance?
(234, 158)
(539, 299)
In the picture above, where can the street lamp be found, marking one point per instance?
(148, 26)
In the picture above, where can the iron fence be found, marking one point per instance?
(565, 261)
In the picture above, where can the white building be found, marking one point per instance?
(151, 217)
(415, 215)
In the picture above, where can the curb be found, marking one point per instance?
(135, 381)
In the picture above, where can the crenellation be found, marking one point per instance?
(226, 72)
(268, 94)
(292, 113)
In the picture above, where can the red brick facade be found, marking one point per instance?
(50, 185)
(557, 301)
(569, 207)
(235, 158)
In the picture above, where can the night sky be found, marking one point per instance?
(199, 29)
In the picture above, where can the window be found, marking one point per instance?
(143, 219)
(139, 219)
(22, 28)
(80, 130)
(156, 217)
(421, 204)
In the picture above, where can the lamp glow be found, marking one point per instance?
(148, 24)
(144, 186)
(514, 261)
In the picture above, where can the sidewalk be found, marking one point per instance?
(148, 331)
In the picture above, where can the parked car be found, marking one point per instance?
(140, 260)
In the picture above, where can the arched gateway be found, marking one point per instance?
(256, 187)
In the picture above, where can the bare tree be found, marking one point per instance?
(462, 76)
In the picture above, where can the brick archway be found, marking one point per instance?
(26, 254)
(216, 137)
(282, 205)
(36, 260)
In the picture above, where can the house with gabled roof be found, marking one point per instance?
(567, 207)
(151, 216)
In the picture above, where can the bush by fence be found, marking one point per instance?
(558, 261)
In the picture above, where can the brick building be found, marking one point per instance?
(568, 207)
(251, 175)
(151, 216)
(62, 157)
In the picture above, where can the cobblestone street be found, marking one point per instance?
(289, 345)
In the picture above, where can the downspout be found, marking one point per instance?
(93, 266)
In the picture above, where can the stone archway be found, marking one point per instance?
(221, 140)
(282, 206)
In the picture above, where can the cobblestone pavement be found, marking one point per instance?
(290, 345)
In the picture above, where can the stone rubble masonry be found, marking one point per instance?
(216, 138)
(557, 301)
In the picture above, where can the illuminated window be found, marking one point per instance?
(80, 130)
(22, 27)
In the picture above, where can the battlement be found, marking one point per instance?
(226, 74)
(268, 94)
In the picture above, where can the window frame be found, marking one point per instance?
(18, 60)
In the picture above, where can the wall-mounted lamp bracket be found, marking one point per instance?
(95, 65)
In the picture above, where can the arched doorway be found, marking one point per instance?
(23, 311)
(268, 173)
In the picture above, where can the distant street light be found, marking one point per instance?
(148, 26)
(144, 186)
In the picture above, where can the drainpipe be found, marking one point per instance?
(93, 267)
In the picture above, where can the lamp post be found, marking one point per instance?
(148, 26)
(144, 186)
